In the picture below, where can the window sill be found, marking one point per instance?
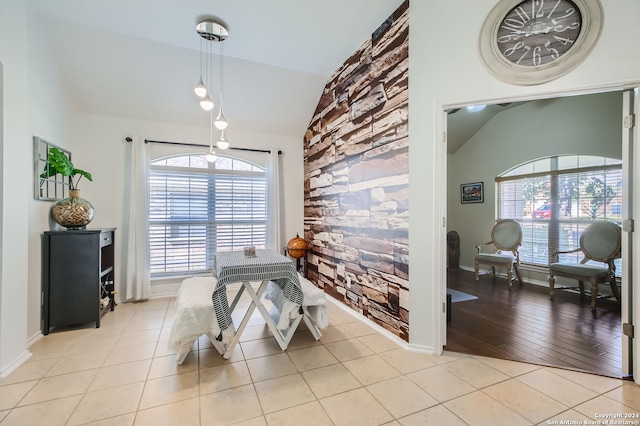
(176, 278)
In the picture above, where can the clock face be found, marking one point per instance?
(529, 42)
(538, 32)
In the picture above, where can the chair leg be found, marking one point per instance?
(581, 284)
(517, 273)
(509, 275)
(614, 288)
(552, 282)
(594, 295)
(493, 271)
(477, 270)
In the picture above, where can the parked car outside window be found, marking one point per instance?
(543, 212)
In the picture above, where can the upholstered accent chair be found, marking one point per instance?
(600, 242)
(506, 238)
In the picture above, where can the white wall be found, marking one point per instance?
(51, 117)
(588, 125)
(14, 192)
(445, 70)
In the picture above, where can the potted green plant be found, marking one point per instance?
(58, 162)
(72, 212)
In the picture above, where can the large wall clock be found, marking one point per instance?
(534, 41)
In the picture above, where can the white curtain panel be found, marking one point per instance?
(274, 219)
(138, 282)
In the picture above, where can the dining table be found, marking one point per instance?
(265, 266)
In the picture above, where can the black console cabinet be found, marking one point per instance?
(77, 277)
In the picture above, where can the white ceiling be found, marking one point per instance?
(139, 59)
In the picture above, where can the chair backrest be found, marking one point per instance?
(507, 234)
(601, 241)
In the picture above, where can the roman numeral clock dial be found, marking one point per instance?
(534, 41)
(538, 32)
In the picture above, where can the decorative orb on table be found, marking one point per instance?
(297, 247)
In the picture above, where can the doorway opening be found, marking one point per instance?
(521, 323)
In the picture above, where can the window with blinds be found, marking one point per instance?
(556, 198)
(197, 208)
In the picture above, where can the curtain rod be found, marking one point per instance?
(128, 139)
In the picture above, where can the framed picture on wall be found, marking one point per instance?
(472, 193)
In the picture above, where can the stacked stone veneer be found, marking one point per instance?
(357, 180)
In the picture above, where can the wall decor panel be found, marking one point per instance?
(356, 185)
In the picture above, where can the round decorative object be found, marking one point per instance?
(297, 247)
(535, 41)
(73, 212)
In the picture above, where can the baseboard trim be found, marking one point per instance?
(428, 350)
(386, 333)
(33, 339)
(527, 280)
(13, 365)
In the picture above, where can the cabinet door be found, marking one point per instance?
(74, 282)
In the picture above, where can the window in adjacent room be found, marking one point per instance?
(556, 198)
(198, 208)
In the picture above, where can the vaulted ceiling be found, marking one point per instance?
(140, 59)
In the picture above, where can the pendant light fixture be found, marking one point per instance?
(200, 89)
(211, 154)
(212, 31)
(206, 103)
(221, 122)
(222, 143)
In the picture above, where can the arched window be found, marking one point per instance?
(556, 198)
(197, 208)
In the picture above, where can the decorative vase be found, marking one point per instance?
(73, 212)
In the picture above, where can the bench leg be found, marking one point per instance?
(181, 356)
(477, 270)
(184, 349)
(219, 346)
(311, 326)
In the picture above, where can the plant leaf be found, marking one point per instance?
(49, 171)
(60, 162)
(82, 173)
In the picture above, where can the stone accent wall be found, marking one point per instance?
(357, 180)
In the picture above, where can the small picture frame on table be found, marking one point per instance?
(472, 193)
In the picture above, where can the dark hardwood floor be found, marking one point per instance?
(522, 324)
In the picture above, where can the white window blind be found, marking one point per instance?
(197, 209)
(556, 199)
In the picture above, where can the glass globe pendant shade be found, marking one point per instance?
(223, 143)
(206, 103)
(211, 155)
(200, 89)
(221, 122)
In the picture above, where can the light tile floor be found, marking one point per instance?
(124, 374)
